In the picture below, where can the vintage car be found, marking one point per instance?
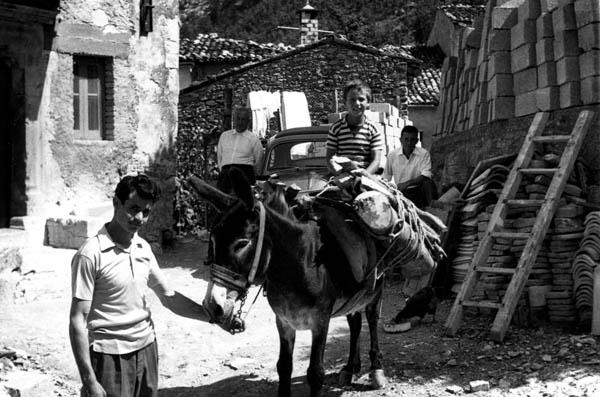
(297, 156)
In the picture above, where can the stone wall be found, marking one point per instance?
(522, 57)
(65, 175)
(317, 71)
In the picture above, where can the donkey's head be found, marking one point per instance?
(238, 258)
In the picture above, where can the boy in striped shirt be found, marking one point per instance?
(353, 136)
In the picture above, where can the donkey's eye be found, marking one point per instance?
(240, 245)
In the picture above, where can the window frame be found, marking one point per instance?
(82, 115)
(146, 22)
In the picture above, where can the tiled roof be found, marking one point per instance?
(462, 14)
(400, 51)
(212, 48)
(425, 87)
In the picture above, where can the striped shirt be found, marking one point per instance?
(356, 143)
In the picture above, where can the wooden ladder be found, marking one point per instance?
(545, 214)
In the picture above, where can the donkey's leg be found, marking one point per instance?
(287, 338)
(316, 374)
(353, 365)
(372, 312)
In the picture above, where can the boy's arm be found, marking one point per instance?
(80, 346)
(374, 165)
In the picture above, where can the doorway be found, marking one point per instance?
(12, 142)
(6, 144)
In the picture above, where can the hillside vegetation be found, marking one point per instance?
(374, 22)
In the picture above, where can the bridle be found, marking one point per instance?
(231, 280)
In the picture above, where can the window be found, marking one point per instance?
(145, 17)
(92, 98)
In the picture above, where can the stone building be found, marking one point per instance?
(516, 58)
(209, 54)
(319, 69)
(88, 93)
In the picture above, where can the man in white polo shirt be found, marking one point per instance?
(409, 167)
(238, 148)
(111, 331)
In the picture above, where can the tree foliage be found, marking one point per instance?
(374, 22)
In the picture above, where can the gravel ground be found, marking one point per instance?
(198, 359)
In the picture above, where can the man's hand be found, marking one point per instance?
(92, 389)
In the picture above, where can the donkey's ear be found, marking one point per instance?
(242, 188)
(214, 196)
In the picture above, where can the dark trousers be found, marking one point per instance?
(128, 375)
(224, 182)
(422, 194)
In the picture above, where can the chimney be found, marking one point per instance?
(309, 25)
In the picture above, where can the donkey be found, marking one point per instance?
(303, 275)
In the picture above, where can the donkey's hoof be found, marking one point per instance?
(378, 379)
(345, 378)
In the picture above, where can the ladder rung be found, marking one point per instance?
(487, 304)
(538, 171)
(497, 270)
(510, 235)
(524, 203)
(552, 138)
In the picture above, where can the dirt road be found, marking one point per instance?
(198, 359)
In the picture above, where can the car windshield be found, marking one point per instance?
(297, 154)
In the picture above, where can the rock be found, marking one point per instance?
(452, 362)
(479, 385)
(504, 384)
(547, 358)
(455, 389)
(29, 384)
(6, 364)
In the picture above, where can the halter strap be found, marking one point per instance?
(259, 242)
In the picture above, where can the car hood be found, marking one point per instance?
(307, 179)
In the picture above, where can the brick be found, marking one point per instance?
(523, 57)
(474, 38)
(471, 59)
(570, 95)
(504, 17)
(563, 18)
(530, 9)
(522, 33)
(565, 44)
(589, 64)
(483, 112)
(586, 12)
(500, 85)
(525, 81)
(544, 51)
(544, 27)
(548, 98)
(589, 36)
(567, 70)
(548, 5)
(546, 74)
(525, 104)
(499, 40)
(590, 90)
(499, 62)
(502, 108)
(482, 72)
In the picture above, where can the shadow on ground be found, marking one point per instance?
(249, 385)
